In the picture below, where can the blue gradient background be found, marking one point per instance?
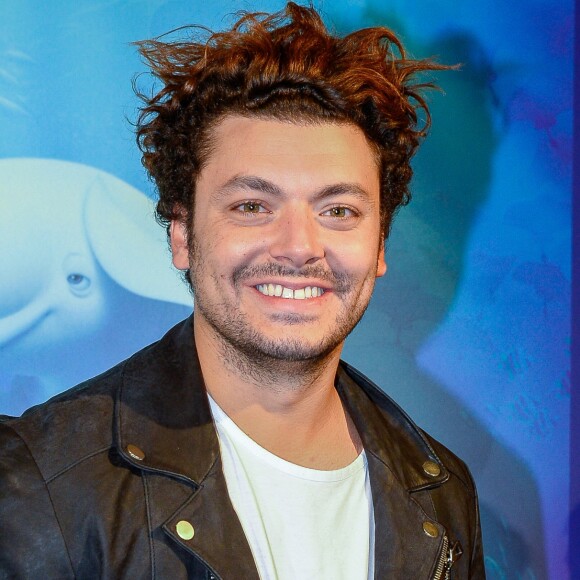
(470, 329)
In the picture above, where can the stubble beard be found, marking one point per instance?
(269, 362)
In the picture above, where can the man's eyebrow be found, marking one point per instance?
(247, 182)
(258, 184)
(344, 188)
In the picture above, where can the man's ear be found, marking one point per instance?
(381, 263)
(179, 242)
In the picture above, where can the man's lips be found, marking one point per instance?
(297, 292)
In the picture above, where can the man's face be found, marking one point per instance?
(286, 241)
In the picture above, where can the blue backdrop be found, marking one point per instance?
(470, 329)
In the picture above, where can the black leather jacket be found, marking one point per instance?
(94, 482)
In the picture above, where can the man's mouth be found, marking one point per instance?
(294, 294)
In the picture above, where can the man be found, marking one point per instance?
(239, 445)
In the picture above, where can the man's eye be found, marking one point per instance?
(251, 207)
(339, 212)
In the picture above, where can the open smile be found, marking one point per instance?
(292, 294)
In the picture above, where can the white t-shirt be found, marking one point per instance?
(299, 522)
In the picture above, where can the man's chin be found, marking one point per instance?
(293, 318)
(286, 350)
(291, 338)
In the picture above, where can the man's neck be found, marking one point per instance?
(290, 408)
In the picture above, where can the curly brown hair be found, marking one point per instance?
(286, 66)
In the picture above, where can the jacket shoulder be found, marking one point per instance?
(79, 422)
(70, 426)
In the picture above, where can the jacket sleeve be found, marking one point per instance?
(31, 542)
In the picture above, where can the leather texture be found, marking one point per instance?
(76, 503)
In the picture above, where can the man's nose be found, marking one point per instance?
(297, 239)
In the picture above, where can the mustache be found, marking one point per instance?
(339, 281)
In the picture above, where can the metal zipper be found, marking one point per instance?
(448, 557)
(441, 563)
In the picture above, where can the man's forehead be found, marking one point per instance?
(247, 142)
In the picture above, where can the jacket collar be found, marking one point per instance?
(163, 411)
(388, 433)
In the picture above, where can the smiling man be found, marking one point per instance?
(239, 445)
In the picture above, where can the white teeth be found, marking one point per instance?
(299, 294)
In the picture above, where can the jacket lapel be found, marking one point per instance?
(219, 539)
(396, 452)
(163, 425)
